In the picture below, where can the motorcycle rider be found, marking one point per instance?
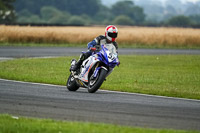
(111, 32)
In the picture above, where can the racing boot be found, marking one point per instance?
(76, 66)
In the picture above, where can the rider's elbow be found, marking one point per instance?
(91, 44)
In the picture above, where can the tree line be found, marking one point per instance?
(87, 12)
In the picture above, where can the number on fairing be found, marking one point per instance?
(111, 57)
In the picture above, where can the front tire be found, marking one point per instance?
(71, 84)
(94, 84)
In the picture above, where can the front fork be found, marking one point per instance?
(97, 68)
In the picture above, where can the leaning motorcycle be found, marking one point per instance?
(94, 69)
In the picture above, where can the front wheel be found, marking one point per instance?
(95, 83)
(71, 84)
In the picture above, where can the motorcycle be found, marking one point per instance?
(94, 69)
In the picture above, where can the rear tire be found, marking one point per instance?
(95, 84)
(71, 84)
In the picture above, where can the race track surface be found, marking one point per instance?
(47, 101)
(17, 52)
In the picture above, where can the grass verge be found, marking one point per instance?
(10, 124)
(166, 75)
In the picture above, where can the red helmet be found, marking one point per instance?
(111, 32)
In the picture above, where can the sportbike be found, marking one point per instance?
(94, 69)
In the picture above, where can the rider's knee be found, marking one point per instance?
(84, 56)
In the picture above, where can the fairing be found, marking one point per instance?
(107, 56)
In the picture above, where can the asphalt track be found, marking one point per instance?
(18, 52)
(49, 101)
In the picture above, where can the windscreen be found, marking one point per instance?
(111, 48)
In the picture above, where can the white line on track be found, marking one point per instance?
(9, 58)
(117, 92)
(5, 58)
(43, 57)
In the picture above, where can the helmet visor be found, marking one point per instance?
(112, 35)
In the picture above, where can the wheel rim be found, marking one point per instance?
(70, 80)
(93, 81)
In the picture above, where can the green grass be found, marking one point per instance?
(9, 124)
(166, 75)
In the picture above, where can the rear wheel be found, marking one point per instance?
(71, 84)
(95, 83)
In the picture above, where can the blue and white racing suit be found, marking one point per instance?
(97, 42)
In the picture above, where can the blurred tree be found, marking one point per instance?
(54, 11)
(34, 19)
(76, 7)
(29, 19)
(193, 10)
(104, 13)
(22, 19)
(138, 14)
(48, 12)
(32, 6)
(129, 9)
(88, 20)
(176, 4)
(154, 12)
(59, 19)
(54, 16)
(7, 12)
(180, 21)
(76, 20)
(123, 20)
(24, 13)
(195, 18)
(170, 10)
